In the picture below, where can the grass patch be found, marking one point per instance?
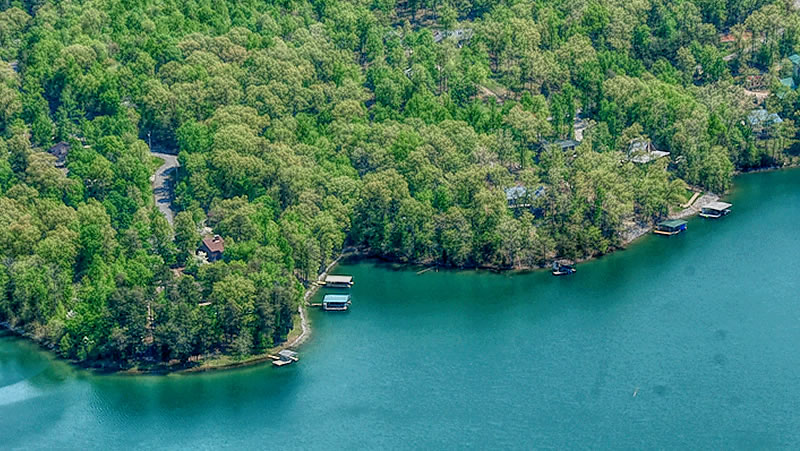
(155, 163)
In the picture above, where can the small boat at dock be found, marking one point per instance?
(716, 210)
(671, 227)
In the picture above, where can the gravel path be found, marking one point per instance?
(162, 192)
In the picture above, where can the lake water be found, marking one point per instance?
(684, 342)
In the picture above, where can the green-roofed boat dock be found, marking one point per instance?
(671, 227)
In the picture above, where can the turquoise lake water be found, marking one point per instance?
(681, 342)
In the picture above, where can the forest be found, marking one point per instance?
(306, 126)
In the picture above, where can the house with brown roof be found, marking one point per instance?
(213, 246)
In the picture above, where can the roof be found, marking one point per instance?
(672, 223)
(515, 192)
(565, 143)
(762, 117)
(458, 34)
(214, 243)
(649, 156)
(789, 82)
(336, 298)
(640, 145)
(60, 150)
(287, 353)
(519, 191)
(719, 206)
(643, 151)
(795, 59)
(338, 279)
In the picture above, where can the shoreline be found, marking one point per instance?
(297, 337)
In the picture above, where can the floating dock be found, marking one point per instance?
(671, 227)
(285, 357)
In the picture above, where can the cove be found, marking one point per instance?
(703, 328)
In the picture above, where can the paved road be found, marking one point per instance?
(162, 191)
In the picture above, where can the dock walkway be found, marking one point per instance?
(695, 208)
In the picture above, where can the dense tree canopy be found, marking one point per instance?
(303, 127)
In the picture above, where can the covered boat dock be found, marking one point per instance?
(335, 281)
(716, 210)
(671, 227)
(336, 302)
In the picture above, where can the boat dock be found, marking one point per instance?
(715, 210)
(285, 357)
(671, 227)
(336, 302)
(337, 281)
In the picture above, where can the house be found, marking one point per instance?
(795, 59)
(761, 120)
(518, 197)
(60, 151)
(792, 82)
(213, 246)
(563, 144)
(459, 35)
(643, 151)
(789, 83)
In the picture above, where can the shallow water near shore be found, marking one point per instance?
(678, 342)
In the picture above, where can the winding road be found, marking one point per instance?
(162, 192)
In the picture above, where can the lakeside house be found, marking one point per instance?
(213, 246)
(518, 197)
(60, 151)
(565, 145)
(761, 121)
(792, 82)
(643, 151)
(459, 35)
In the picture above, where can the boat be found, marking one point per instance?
(561, 269)
(716, 210)
(671, 227)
